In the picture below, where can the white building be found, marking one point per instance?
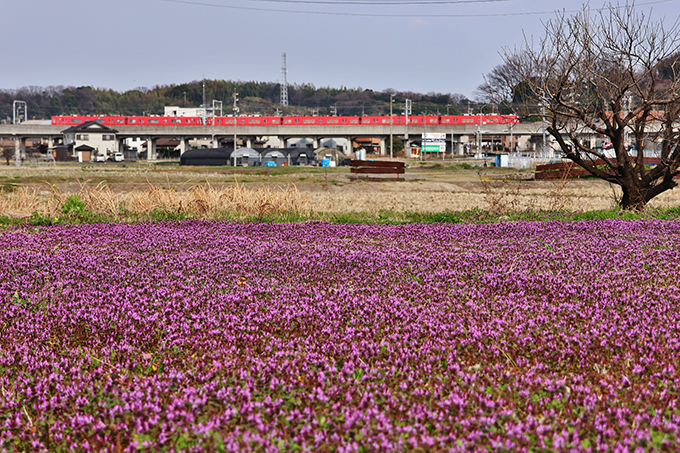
(90, 139)
(202, 112)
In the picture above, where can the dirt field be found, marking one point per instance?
(425, 190)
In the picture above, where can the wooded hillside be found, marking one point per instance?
(254, 98)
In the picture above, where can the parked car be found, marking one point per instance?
(118, 157)
(100, 158)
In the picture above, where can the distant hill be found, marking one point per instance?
(254, 98)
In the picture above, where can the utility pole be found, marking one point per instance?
(479, 146)
(629, 105)
(284, 82)
(391, 123)
(543, 122)
(235, 121)
(214, 108)
(512, 141)
(422, 142)
(452, 145)
(205, 107)
(407, 111)
(480, 131)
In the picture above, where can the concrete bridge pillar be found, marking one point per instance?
(215, 142)
(383, 146)
(349, 149)
(17, 151)
(23, 147)
(151, 148)
(284, 142)
(457, 145)
(249, 142)
(315, 142)
(183, 145)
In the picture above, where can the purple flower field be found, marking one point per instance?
(209, 336)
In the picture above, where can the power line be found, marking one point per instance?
(329, 13)
(382, 3)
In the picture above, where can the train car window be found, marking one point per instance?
(75, 121)
(100, 121)
(153, 121)
(287, 121)
(176, 121)
(297, 121)
(320, 121)
(266, 121)
(132, 121)
(120, 121)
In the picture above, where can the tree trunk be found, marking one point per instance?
(633, 198)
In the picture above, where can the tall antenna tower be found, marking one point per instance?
(284, 82)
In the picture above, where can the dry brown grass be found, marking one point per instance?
(201, 201)
(505, 195)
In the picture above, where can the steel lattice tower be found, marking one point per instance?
(284, 83)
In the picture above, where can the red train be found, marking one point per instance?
(285, 120)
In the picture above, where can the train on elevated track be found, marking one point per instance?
(434, 120)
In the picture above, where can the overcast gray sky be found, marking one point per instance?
(409, 45)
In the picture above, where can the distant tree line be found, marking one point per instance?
(254, 98)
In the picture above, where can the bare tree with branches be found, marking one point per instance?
(499, 86)
(612, 72)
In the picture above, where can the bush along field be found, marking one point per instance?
(218, 336)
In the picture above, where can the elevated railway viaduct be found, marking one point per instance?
(456, 135)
